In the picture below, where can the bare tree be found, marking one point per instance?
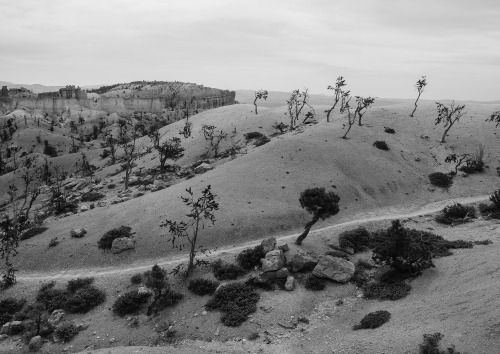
(495, 117)
(186, 130)
(297, 102)
(346, 108)
(200, 209)
(448, 116)
(458, 160)
(260, 94)
(128, 135)
(363, 105)
(338, 95)
(214, 138)
(420, 86)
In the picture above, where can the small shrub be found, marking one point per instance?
(54, 242)
(389, 130)
(357, 239)
(136, 278)
(107, 239)
(253, 135)
(440, 179)
(85, 299)
(75, 284)
(261, 141)
(253, 336)
(17, 329)
(250, 258)
(226, 271)
(280, 127)
(202, 286)
(236, 301)
(8, 307)
(360, 278)
(92, 196)
(314, 283)
(34, 231)
(168, 298)
(381, 145)
(495, 198)
(386, 291)
(111, 186)
(455, 212)
(51, 297)
(66, 331)
(431, 345)
(129, 303)
(373, 320)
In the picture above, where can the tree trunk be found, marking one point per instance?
(359, 120)
(302, 236)
(255, 104)
(445, 133)
(127, 175)
(414, 109)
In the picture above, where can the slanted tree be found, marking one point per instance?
(350, 115)
(128, 134)
(112, 143)
(363, 103)
(214, 138)
(337, 89)
(448, 116)
(495, 117)
(201, 209)
(186, 130)
(320, 204)
(156, 279)
(458, 160)
(420, 86)
(260, 94)
(169, 149)
(296, 103)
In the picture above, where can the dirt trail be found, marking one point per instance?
(385, 214)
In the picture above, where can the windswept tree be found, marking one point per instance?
(214, 138)
(169, 149)
(420, 86)
(320, 204)
(128, 135)
(260, 94)
(448, 116)
(337, 89)
(296, 103)
(350, 115)
(201, 209)
(495, 117)
(363, 103)
(458, 160)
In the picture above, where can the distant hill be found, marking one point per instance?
(36, 88)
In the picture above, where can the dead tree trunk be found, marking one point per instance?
(307, 228)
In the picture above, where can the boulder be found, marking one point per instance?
(301, 261)
(268, 244)
(284, 247)
(78, 233)
(202, 168)
(282, 273)
(35, 344)
(274, 260)
(55, 317)
(290, 283)
(5, 328)
(122, 244)
(81, 326)
(84, 208)
(334, 268)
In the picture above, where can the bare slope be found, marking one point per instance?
(258, 191)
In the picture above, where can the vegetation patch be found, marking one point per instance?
(92, 196)
(250, 258)
(440, 179)
(66, 331)
(85, 299)
(8, 307)
(130, 302)
(381, 145)
(386, 291)
(455, 213)
(34, 231)
(389, 130)
(226, 271)
(107, 239)
(136, 279)
(202, 286)
(373, 320)
(357, 239)
(51, 297)
(314, 283)
(431, 345)
(236, 301)
(78, 283)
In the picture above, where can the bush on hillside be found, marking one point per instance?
(202, 286)
(495, 199)
(107, 239)
(226, 271)
(357, 239)
(85, 299)
(65, 332)
(8, 307)
(261, 141)
(440, 179)
(381, 145)
(250, 258)
(253, 135)
(386, 291)
(389, 130)
(34, 231)
(92, 196)
(431, 345)
(136, 279)
(51, 297)
(78, 283)
(168, 298)
(455, 212)
(373, 320)
(130, 302)
(314, 283)
(236, 301)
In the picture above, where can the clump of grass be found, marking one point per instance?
(357, 239)
(440, 179)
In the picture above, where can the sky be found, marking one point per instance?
(381, 47)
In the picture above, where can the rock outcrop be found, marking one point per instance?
(334, 268)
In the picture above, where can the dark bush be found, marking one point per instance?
(130, 303)
(373, 320)
(266, 284)
(111, 186)
(107, 239)
(8, 307)
(105, 153)
(202, 286)
(66, 207)
(314, 283)
(66, 331)
(489, 211)
(168, 298)
(357, 239)
(440, 179)
(236, 301)
(34, 231)
(50, 150)
(85, 299)
(250, 258)
(381, 145)
(226, 271)
(454, 213)
(53, 242)
(261, 141)
(51, 297)
(360, 278)
(17, 328)
(92, 196)
(495, 198)
(389, 130)
(253, 135)
(431, 345)
(136, 278)
(386, 291)
(78, 283)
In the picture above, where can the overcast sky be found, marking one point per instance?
(381, 47)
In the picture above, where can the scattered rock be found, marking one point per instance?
(78, 233)
(282, 273)
(301, 261)
(81, 326)
(122, 244)
(55, 317)
(334, 268)
(268, 244)
(35, 344)
(290, 283)
(274, 260)
(112, 340)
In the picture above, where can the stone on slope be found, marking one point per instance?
(273, 261)
(301, 261)
(334, 268)
(35, 344)
(122, 244)
(290, 283)
(268, 244)
(78, 233)
(55, 317)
